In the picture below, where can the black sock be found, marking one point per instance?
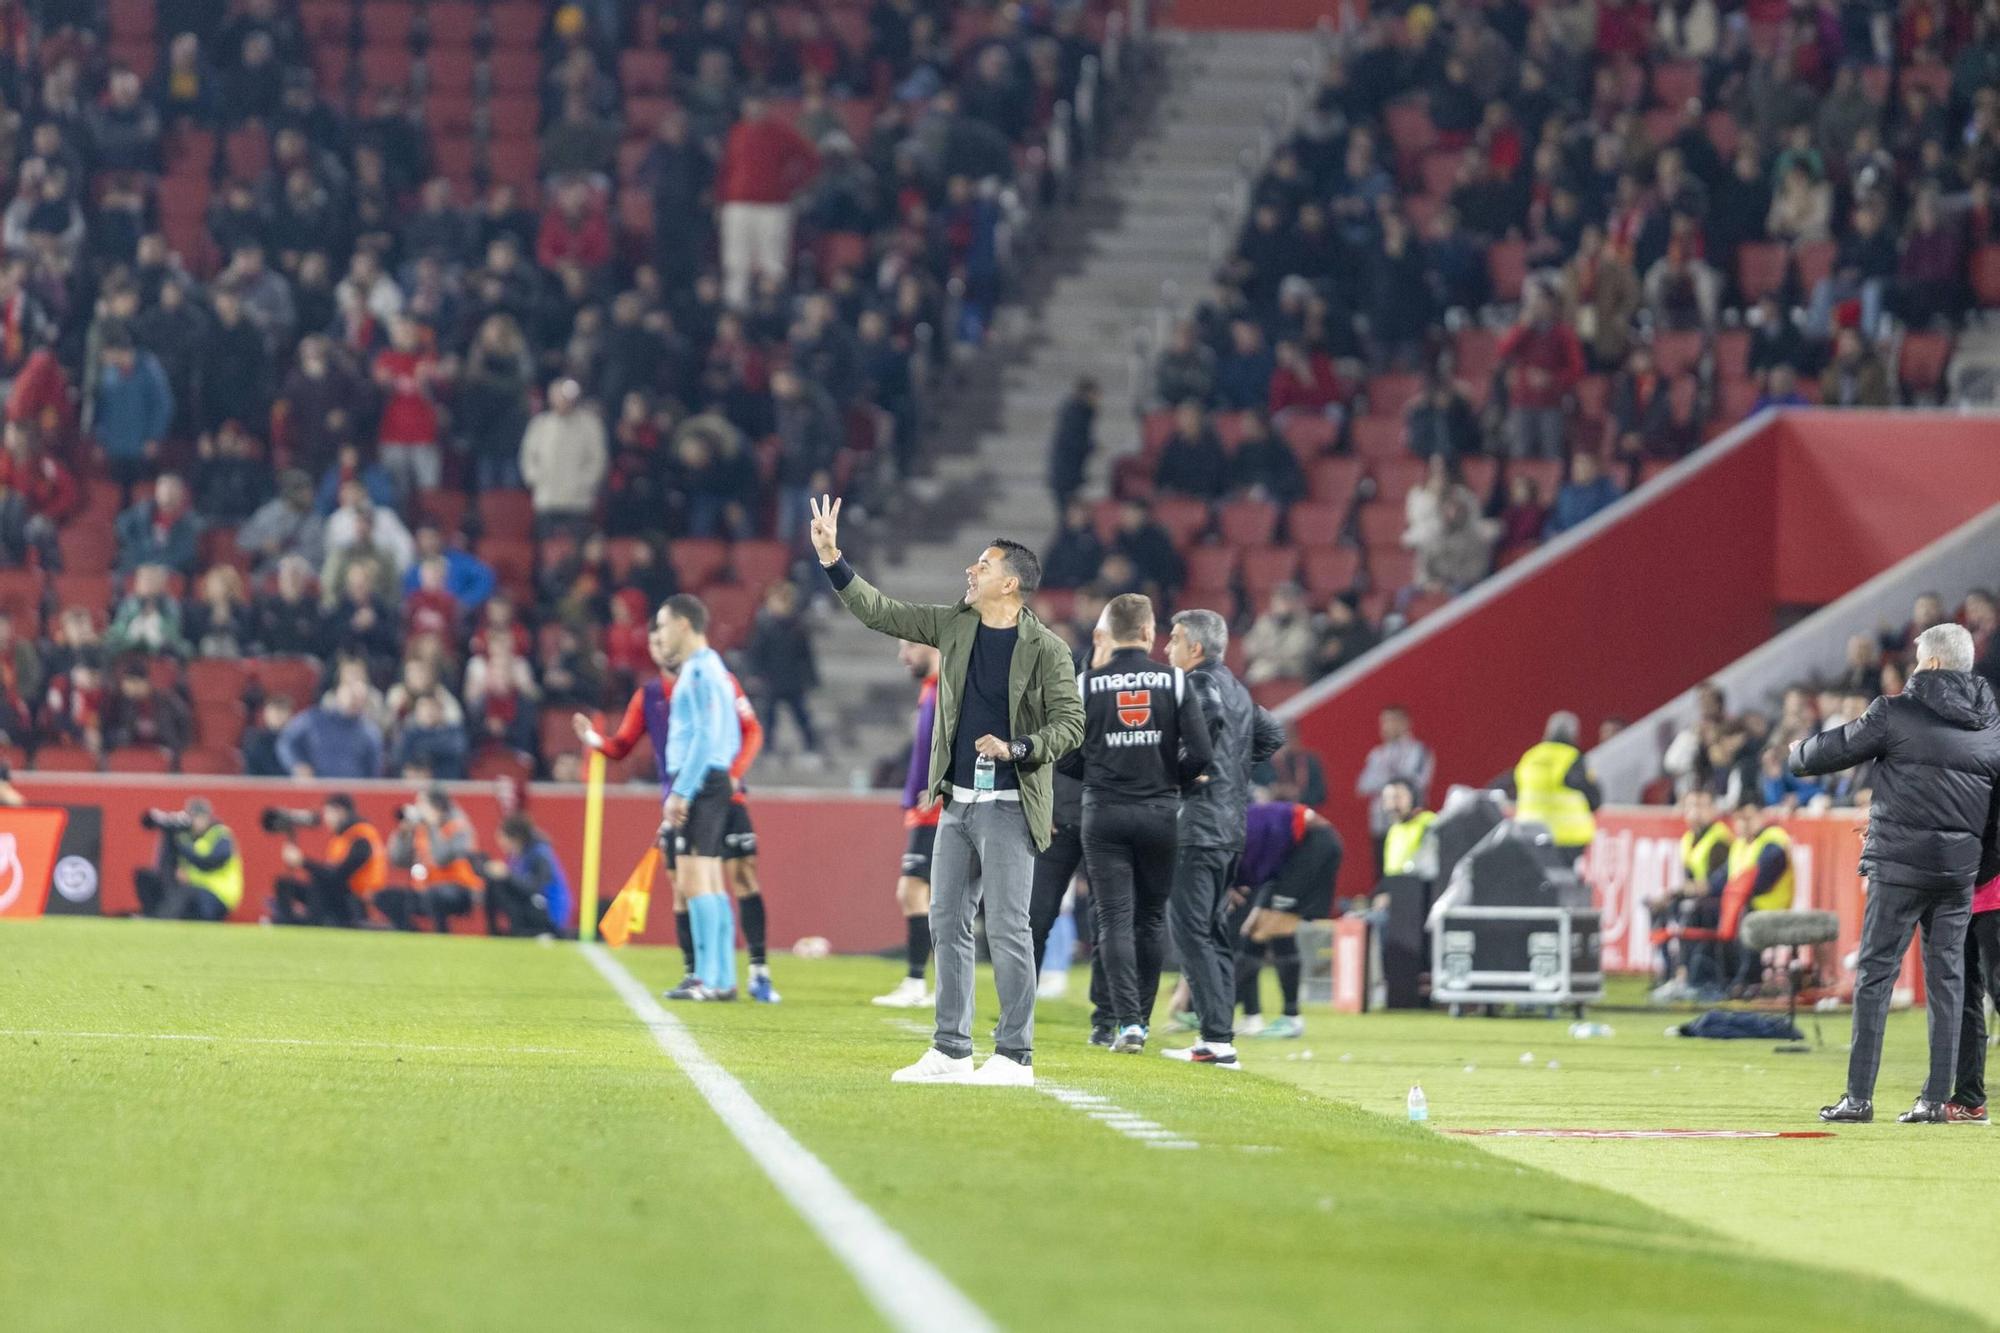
(684, 934)
(1249, 962)
(917, 949)
(1286, 950)
(751, 909)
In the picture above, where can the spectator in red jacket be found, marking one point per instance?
(576, 229)
(1542, 361)
(765, 163)
(48, 487)
(1305, 382)
(407, 373)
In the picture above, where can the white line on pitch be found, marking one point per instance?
(902, 1284)
(1112, 1116)
(225, 1038)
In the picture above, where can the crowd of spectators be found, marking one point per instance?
(1558, 245)
(436, 343)
(1739, 756)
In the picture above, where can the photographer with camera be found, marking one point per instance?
(526, 892)
(435, 845)
(200, 872)
(335, 891)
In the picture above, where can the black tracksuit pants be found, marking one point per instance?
(1982, 978)
(1128, 848)
(1893, 914)
(1204, 936)
(1054, 869)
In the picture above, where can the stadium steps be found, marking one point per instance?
(1135, 239)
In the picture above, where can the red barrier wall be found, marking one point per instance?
(1302, 15)
(828, 861)
(1621, 616)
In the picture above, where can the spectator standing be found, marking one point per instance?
(140, 714)
(1282, 641)
(408, 372)
(1193, 463)
(1146, 544)
(361, 526)
(288, 619)
(564, 458)
(131, 409)
(260, 740)
(1399, 756)
(1074, 554)
(335, 739)
(1440, 421)
(1074, 443)
(287, 524)
(218, 620)
(765, 163)
(1542, 362)
(783, 663)
(1459, 552)
(809, 435)
(1856, 376)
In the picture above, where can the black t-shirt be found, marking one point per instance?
(982, 709)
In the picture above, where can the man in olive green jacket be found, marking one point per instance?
(1007, 710)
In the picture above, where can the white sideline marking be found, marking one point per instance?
(1111, 1116)
(221, 1038)
(899, 1282)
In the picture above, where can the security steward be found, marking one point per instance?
(200, 874)
(1758, 879)
(1705, 844)
(435, 846)
(1144, 741)
(1552, 785)
(1405, 837)
(335, 891)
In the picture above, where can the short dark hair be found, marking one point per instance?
(1127, 615)
(688, 607)
(518, 828)
(342, 802)
(1021, 562)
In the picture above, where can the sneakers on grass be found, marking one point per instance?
(936, 1067)
(690, 988)
(1001, 1072)
(1288, 1028)
(1222, 1057)
(1131, 1040)
(908, 994)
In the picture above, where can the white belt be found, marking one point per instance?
(969, 796)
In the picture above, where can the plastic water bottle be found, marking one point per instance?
(1420, 1109)
(1586, 1031)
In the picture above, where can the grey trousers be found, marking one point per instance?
(984, 852)
(1892, 913)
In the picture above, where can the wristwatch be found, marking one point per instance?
(1018, 750)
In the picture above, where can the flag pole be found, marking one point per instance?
(593, 845)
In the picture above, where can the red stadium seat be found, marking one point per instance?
(1815, 261)
(21, 600)
(1732, 354)
(1314, 522)
(1932, 76)
(698, 561)
(1330, 571)
(1230, 428)
(1218, 597)
(450, 24)
(1921, 363)
(1248, 522)
(1378, 437)
(247, 152)
(130, 18)
(1437, 170)
(1333, 480)
(327, 22)
(1986, 275)
(217, 680)
(446, 508)
(1308, 436)
(297, 678)
(507, 511)
(1408, 121)
(1478, 352)
(1734, 400)
(450, 70)
(386, 68)
(1155, 430)
(1507, 266)
(1184, 519)
(66, 759)
(1390, 570)
(515, 23)
(513, 562)
(1271, 693)
(1674, 354)
(1381, 525)
(1760, 270)
(1479, 473)
(1390, 393)
(139, 759)
(1211, 566)
(514, 71)
(1675, 82)
(759, 564)
(1723, 132)
(513, 117)
(331, 65)
(140, 56)
(515, 162)
(453, 155)
(646, 73)
(1265, 567)
(220, 725)
(1104, 520)
(76, 588)
(496, 763)
(555, 734)
(388, 22)
(1397, 477)
(209, 762)
(731, 611)
(1421, 606)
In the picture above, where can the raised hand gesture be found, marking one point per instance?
(825, 528)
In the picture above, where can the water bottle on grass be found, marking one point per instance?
(1420, 1109)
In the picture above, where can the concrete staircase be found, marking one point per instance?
(1140, 240)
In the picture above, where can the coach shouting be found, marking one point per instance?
(1931, 825)
(1007, 710)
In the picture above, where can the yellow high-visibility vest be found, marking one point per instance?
(1401, 844)
(1540, 795)
(1743, 855)
(1698, 854)
(226, 880)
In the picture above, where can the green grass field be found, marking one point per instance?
(207, 1128)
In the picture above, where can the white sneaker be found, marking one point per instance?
(1053, 986)
(936, 1067)
(1251, 1025)
(909, 994)
(1001, 1072)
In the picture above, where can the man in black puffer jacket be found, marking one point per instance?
(1931, 832)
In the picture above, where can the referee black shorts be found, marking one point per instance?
(739, 838)
(707, 828)
(1304, 883)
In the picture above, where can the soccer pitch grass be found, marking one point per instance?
(206, 1128)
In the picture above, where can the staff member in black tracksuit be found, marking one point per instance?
(1056, 866)
(1241, 735)
(1144, 739)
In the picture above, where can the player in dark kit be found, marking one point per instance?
(1291, 858)
(920, 817)
(646, 716)
(1144, 740)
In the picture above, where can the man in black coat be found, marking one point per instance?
(1075, 441)
(1931, 833)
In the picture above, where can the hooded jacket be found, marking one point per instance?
(1241, 736)
(1936, 747)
